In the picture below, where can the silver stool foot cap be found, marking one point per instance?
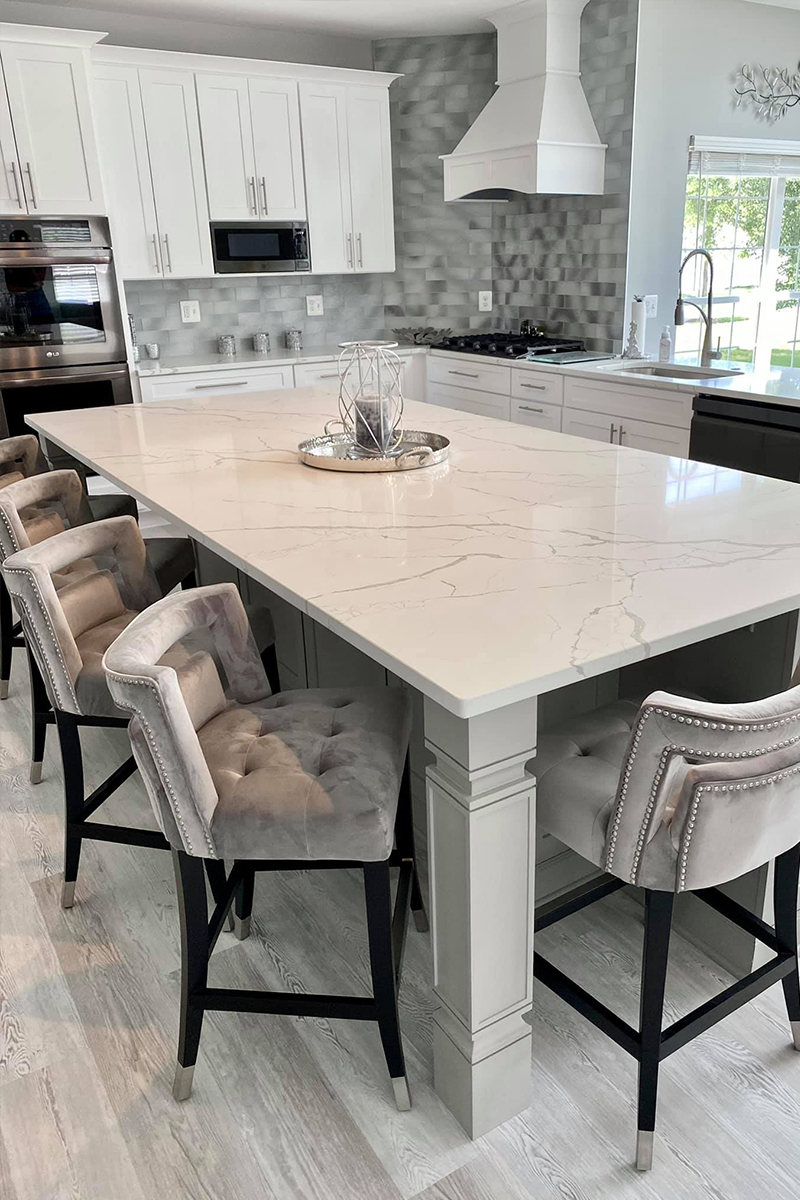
(36, 772)
(402, 1096)
(68, 894)
(182, 1083)
(241, 927)
(644, 1149)
(421, 923)
(796, 1033)
(3, 689)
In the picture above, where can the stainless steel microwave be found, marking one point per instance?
(260, 246)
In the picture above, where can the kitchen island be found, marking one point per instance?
(530, 561)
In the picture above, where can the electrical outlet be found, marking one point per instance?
(651, 306)
(484, 301)
(314, 306)
(190, 311)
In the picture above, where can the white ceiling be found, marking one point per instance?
(360, 18)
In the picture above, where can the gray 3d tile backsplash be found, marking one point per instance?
(556, 259)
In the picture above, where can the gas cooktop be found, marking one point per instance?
(509, 345)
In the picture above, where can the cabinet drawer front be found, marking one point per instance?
(214, 383)
(542, 416)
(662, 405)
(324, 374)
(483, 404)
(485, 377)
(532, 385)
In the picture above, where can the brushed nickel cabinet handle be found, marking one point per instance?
(360, 250)
(530, 408)
(156, 255)
(168, 253)
(535, 387)
(349, 249)
(199, 387)
(622, 432)
(264, 193)
(252, 184)
(466, 374)
(330, 375)
(29, 169)
(17, 191)
(613, 431)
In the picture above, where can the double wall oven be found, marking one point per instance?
(61, 334)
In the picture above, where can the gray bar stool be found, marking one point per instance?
(299, 780)
(34, 508)
(21, 458)
(673, 796)
(75, 591)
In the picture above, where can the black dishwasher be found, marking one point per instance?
(760, 437)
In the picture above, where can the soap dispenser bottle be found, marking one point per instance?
(665, 346)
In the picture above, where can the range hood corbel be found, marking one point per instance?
(536, 135)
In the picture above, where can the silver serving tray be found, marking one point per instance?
(334, 452)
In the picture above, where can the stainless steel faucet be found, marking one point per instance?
(707, 354)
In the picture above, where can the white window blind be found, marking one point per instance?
(744, 156)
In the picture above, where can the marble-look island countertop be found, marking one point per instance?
(529, 560)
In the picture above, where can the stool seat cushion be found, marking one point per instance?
(312, 774)
(577, 767)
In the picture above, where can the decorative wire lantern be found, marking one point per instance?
(371, 397)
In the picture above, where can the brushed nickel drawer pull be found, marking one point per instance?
(466, 374)
(613, 431)
(536, 387)
(330, 375)
(232, 383)
(529, 408)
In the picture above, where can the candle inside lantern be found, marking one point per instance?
(373, 423)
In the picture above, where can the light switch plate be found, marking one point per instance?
(484, 301)
(190, 311)
(314, 306)
(651, 306)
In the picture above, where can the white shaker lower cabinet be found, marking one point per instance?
(176, 165)
(348, 170)
(47, 81)
(482, 404)
(627, 414)
(195, 385)
(661, 439)
(122, 142)
(539, 415)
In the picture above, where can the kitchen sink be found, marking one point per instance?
(675, 371)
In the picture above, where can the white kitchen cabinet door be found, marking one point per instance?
(660, 439)
(48, 94)
(371, 178)
(12, 199)
(122, 143)
(323, 109)
(590, 425)
(176, 164)
(275, 110)
(227, 132)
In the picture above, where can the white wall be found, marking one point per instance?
(689, 53)
(200, 37)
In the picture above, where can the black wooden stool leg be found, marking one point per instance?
(193, 909)
(40, 711)
(217, 878)
(244, 905)
(6, 639)
(787, 875)
(379, 923)
(189, 581)
(72, 765)
(404, 837)
(657, 928)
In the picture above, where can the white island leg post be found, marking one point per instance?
(481, 841)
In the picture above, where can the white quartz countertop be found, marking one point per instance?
(209, 361)
(529, 560)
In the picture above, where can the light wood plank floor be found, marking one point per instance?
(297, 1109)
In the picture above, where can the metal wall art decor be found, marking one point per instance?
(771, 90)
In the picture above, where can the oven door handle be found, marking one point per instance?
(68, 258)
(37, 376)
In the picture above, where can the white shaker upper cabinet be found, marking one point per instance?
(227, 131)
(176, 164)
(371, 178)
(251, 145)
(323, 109)
(126, 171)
(12, 199)
(48, 95)
(275, 111)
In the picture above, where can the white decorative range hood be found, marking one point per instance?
(536, 134)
